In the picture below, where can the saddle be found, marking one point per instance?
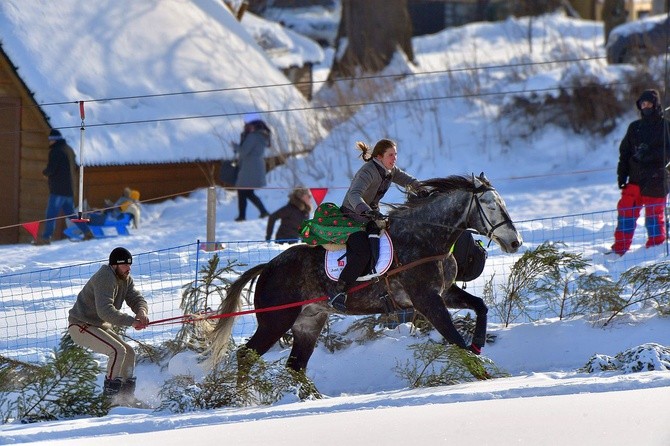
(336, 259)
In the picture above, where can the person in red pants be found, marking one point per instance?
(642, 175)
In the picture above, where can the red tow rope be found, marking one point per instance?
(189, 318)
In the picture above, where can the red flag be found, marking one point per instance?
(318, 193)
(32, 227)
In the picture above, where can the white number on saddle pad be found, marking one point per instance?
(336, 260)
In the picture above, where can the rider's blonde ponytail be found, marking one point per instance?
(365, 149)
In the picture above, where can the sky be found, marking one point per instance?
(545, 175)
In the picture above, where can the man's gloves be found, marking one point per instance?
(141, 320)
(374, 214)
(621, 181)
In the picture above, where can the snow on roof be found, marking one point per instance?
(637, 26)
(162, 80)
(286, 48)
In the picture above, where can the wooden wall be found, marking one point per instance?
(153, 181)
(24, 150)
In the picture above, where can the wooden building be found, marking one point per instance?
(24, 150)
(162, 157)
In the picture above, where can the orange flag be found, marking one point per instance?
(32, 227)
(318, 193)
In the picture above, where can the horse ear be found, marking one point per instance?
(475, 180)
(482, 177)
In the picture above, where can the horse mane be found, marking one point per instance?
(435, 186)
(450, 183)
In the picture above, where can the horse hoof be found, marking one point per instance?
(474, 349)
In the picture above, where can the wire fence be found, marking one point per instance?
(34, 305)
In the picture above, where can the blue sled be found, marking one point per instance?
(111, 227)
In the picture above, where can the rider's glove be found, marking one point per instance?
(374, 214)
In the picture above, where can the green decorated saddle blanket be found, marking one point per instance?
(329, 226)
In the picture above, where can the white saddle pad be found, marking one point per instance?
(336, 260)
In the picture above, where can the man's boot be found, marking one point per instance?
(111, 388)
(338, 299)
(127, 393)
(128, 387)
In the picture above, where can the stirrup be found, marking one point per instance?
(339, 301)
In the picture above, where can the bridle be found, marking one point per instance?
(476, 193)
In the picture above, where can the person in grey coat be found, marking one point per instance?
(251, 175)
(361, 203)
(95, 312)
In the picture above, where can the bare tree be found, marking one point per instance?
(370, 33)
(614, 14)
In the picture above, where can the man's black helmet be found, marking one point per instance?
(120, 256)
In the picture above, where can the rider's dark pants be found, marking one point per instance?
(359, 254)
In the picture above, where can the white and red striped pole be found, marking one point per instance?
(82, 114)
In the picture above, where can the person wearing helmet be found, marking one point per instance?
(97, 309)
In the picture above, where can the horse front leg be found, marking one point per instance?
(455, 297)
(433, 309)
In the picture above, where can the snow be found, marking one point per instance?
(554, 172)
(638, 26)
(285, 47)
(131, 56)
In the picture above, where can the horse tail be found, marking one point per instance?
(220, 336)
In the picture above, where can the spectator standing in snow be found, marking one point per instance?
(292, 215)
(642, 175)
(251, 175)
(97, 309)
(60, 172)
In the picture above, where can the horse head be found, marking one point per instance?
(488, 215)
(468, 203)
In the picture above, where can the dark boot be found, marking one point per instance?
(128, 387)
(373, 240)
(126, 396)
(338, 299)
(112, 387)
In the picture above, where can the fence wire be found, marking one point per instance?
(34, 305)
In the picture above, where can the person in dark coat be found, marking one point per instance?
(292, 215)
(60, 172)
(641, 174)
(251, 175)
(361, 203)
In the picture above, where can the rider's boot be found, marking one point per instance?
(373, 240)
(338, 299)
